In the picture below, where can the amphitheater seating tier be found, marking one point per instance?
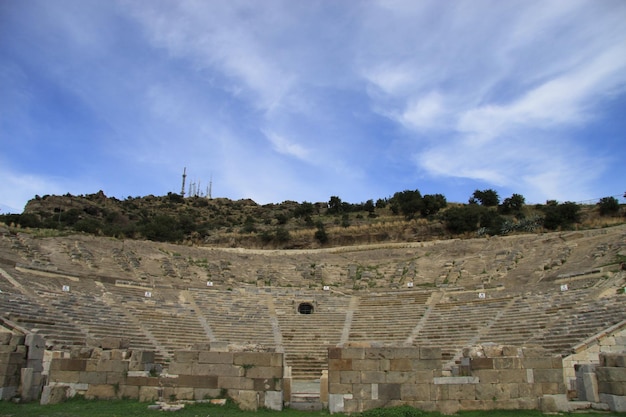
(519, 279)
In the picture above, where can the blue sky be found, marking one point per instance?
(302, 100)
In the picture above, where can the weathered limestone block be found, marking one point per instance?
(245, 399)
(149, 394)
(178, 393)
(197, 381)
(101, 392)
(53, 394)
(235, 383)
(273, 400)
(264, 372)
(186, 356)
(68, 365)
(617, 403)
(215, 357)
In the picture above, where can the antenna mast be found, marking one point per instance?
(182, 190)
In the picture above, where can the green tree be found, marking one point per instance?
(407, 202)
(303, 210)
(432, 203)
(321, 234)
(487, 198)
(513, 204)
(608, 206)
(335, 206)
(560, 215)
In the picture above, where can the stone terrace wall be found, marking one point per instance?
(611, 376)
(251, 379)
(20, 365)
(611, 340)
(494, 377)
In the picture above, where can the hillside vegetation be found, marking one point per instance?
(406, 217)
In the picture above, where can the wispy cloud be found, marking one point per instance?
(355, 98)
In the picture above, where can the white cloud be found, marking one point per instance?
(284, 146)
(424, 112)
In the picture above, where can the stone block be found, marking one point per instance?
(181, 368)
(416, 392)
(507, 363)
(195, 381)
(352, 353)
(488, 392)
(400, 377)
(148, 394)
(53, 394)
(511, 351)
(402, 364)
(616, 403)
(387, 392)
(142, 356)
(115, 378)
(235, 383)
(8, 391)
(481, 363)
(554, 403)
(455, 380)
(129, 391)
(218, 347)
(611, 374)
(449, 407)
(205, 393)
(252, 358)
(226, 370)
(425, 364)
(247, 400)
(365, 365)
(264, 372)
(548, 375)
(98, 378)
(334, 388)
(534, 352)
(462, 391)
(266, 384)
(110, 343)
(186, 356)
(64, 376)
(430, 353)
(613, 360)
(17, 339)
(515, 375)
(101, 392)
(335, 352)
(273, 400)
(178, 393)
(5, 337)
(537, 363)
(335, 403)
(340, 365)
(120, 366)
(550, 388)
(68, 365)
(215, 357)
(350, 377)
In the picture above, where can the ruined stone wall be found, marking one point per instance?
(611, 340)
(252, 379)
(611, 375)
(499, 377)
(20, 365)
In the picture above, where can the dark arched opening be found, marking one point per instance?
(305, 308)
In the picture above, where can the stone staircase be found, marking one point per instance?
(306, 337)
